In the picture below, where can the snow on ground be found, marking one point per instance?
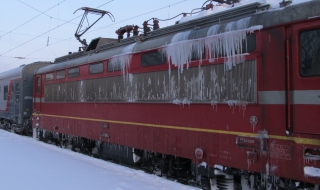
(26, 163)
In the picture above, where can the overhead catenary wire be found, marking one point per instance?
(138, 16)
(46, 11)
(42, 33)
(31, 19)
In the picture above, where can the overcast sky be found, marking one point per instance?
(34, 30)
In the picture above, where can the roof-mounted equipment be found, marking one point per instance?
(80, 30)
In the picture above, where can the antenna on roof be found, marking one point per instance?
(81, 30)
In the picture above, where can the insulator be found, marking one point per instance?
(209, 6)
(155, 24)
(135, 30)
(146, 29)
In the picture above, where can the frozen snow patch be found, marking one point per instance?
(311, 171)
(181, 102)
(204, 164)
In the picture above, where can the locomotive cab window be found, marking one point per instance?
(5, 92)
(96, 68)
(309, 53)
(153, 58)
(49, 76)
(74, 72)
(61, 74)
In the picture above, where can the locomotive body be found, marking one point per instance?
(232, 97)
(16, 92)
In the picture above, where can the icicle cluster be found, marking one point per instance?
(228, 44)
(123, 60)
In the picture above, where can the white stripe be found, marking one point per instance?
(306, 97)
(311, 97)
(272, 97)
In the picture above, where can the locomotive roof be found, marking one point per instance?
(258, 13)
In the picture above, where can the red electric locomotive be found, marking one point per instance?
(228, 100)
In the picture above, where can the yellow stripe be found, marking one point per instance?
(298, 140)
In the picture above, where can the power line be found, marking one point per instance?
(138, 15)
(42, 35)
(45, 32)
(16, 33)
(31, 19)
(45, 13)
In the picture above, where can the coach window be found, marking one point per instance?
(114, 66)
(96, 68)
(38, 84)
(61, 74)
(5, 92)
(74, 72)
(49, 76)
(153, 58)
(309, 53)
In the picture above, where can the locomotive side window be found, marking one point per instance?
(38, 84)
(153, 58)
(96, 68)
(5, 92)
(309, 53)
(61, 74)
(114, 66)
(247, 46)
(49, 76)
(74, 72)
(250, 46)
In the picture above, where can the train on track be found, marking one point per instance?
(230, 100)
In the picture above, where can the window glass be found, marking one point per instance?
(96, 68)
(38, 84)
(250, 46)
(49, 76)
(74, 72)
(5, 92)
(310, 53)
(114, 66)
(153, 58)
(61, 74)
(17, 87)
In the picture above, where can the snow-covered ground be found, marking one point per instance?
(29, 164)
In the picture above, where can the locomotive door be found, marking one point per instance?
(305, 92)
(37, 94)
(16, 97)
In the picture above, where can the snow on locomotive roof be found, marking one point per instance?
(274, 4)
(199, 29)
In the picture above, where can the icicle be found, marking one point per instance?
(179, 51)
(214, 104)
(228, 44)
(123, 59)
(213, 30)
